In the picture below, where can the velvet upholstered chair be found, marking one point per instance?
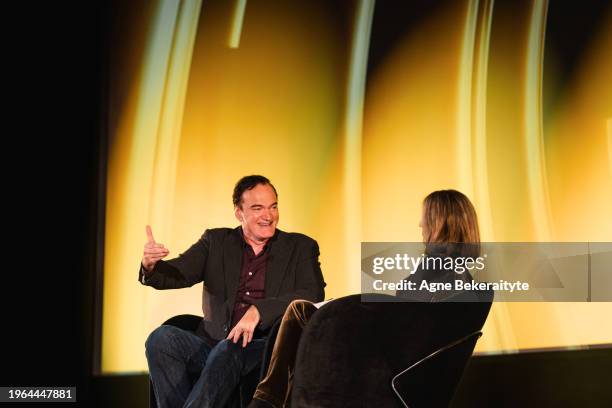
(376, 352)
(244, 392)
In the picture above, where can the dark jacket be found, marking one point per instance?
(293, 272)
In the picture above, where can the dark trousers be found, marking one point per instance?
(188, 372)
(275, 388)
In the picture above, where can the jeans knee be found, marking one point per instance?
(229, 347)
(229, 350)
(158, 340)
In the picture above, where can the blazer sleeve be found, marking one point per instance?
(309, 286)
(184, 271)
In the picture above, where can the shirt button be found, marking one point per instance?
(250, 273)
(248, 293)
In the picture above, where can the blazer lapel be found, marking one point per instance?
(232, 261)
(276, 267)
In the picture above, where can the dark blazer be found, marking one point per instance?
(292, 272)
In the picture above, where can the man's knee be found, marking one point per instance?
(159, 339)
(228, 347)
(228, 352)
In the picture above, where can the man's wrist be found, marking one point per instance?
(257, 312)
(146, 272)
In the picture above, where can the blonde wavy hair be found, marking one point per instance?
(450, 218)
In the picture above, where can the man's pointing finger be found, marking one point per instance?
(150, 234)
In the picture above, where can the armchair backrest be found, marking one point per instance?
(351, 350)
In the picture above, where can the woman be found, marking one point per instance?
(449, 228)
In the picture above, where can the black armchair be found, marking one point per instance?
(411, 384)
(356, 353)
(244, 393)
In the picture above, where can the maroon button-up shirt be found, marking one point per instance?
(252, 281)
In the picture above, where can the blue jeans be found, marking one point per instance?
(187, 372)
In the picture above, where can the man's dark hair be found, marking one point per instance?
(248, 183)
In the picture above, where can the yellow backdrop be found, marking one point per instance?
(204, 94)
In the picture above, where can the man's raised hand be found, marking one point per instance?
(153, 251)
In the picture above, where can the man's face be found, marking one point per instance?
(258, 213)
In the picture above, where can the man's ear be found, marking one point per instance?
(238, 213)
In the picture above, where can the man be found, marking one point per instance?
(250, 274)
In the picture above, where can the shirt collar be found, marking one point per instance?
(268, 244)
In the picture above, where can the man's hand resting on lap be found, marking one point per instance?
(245, 327)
